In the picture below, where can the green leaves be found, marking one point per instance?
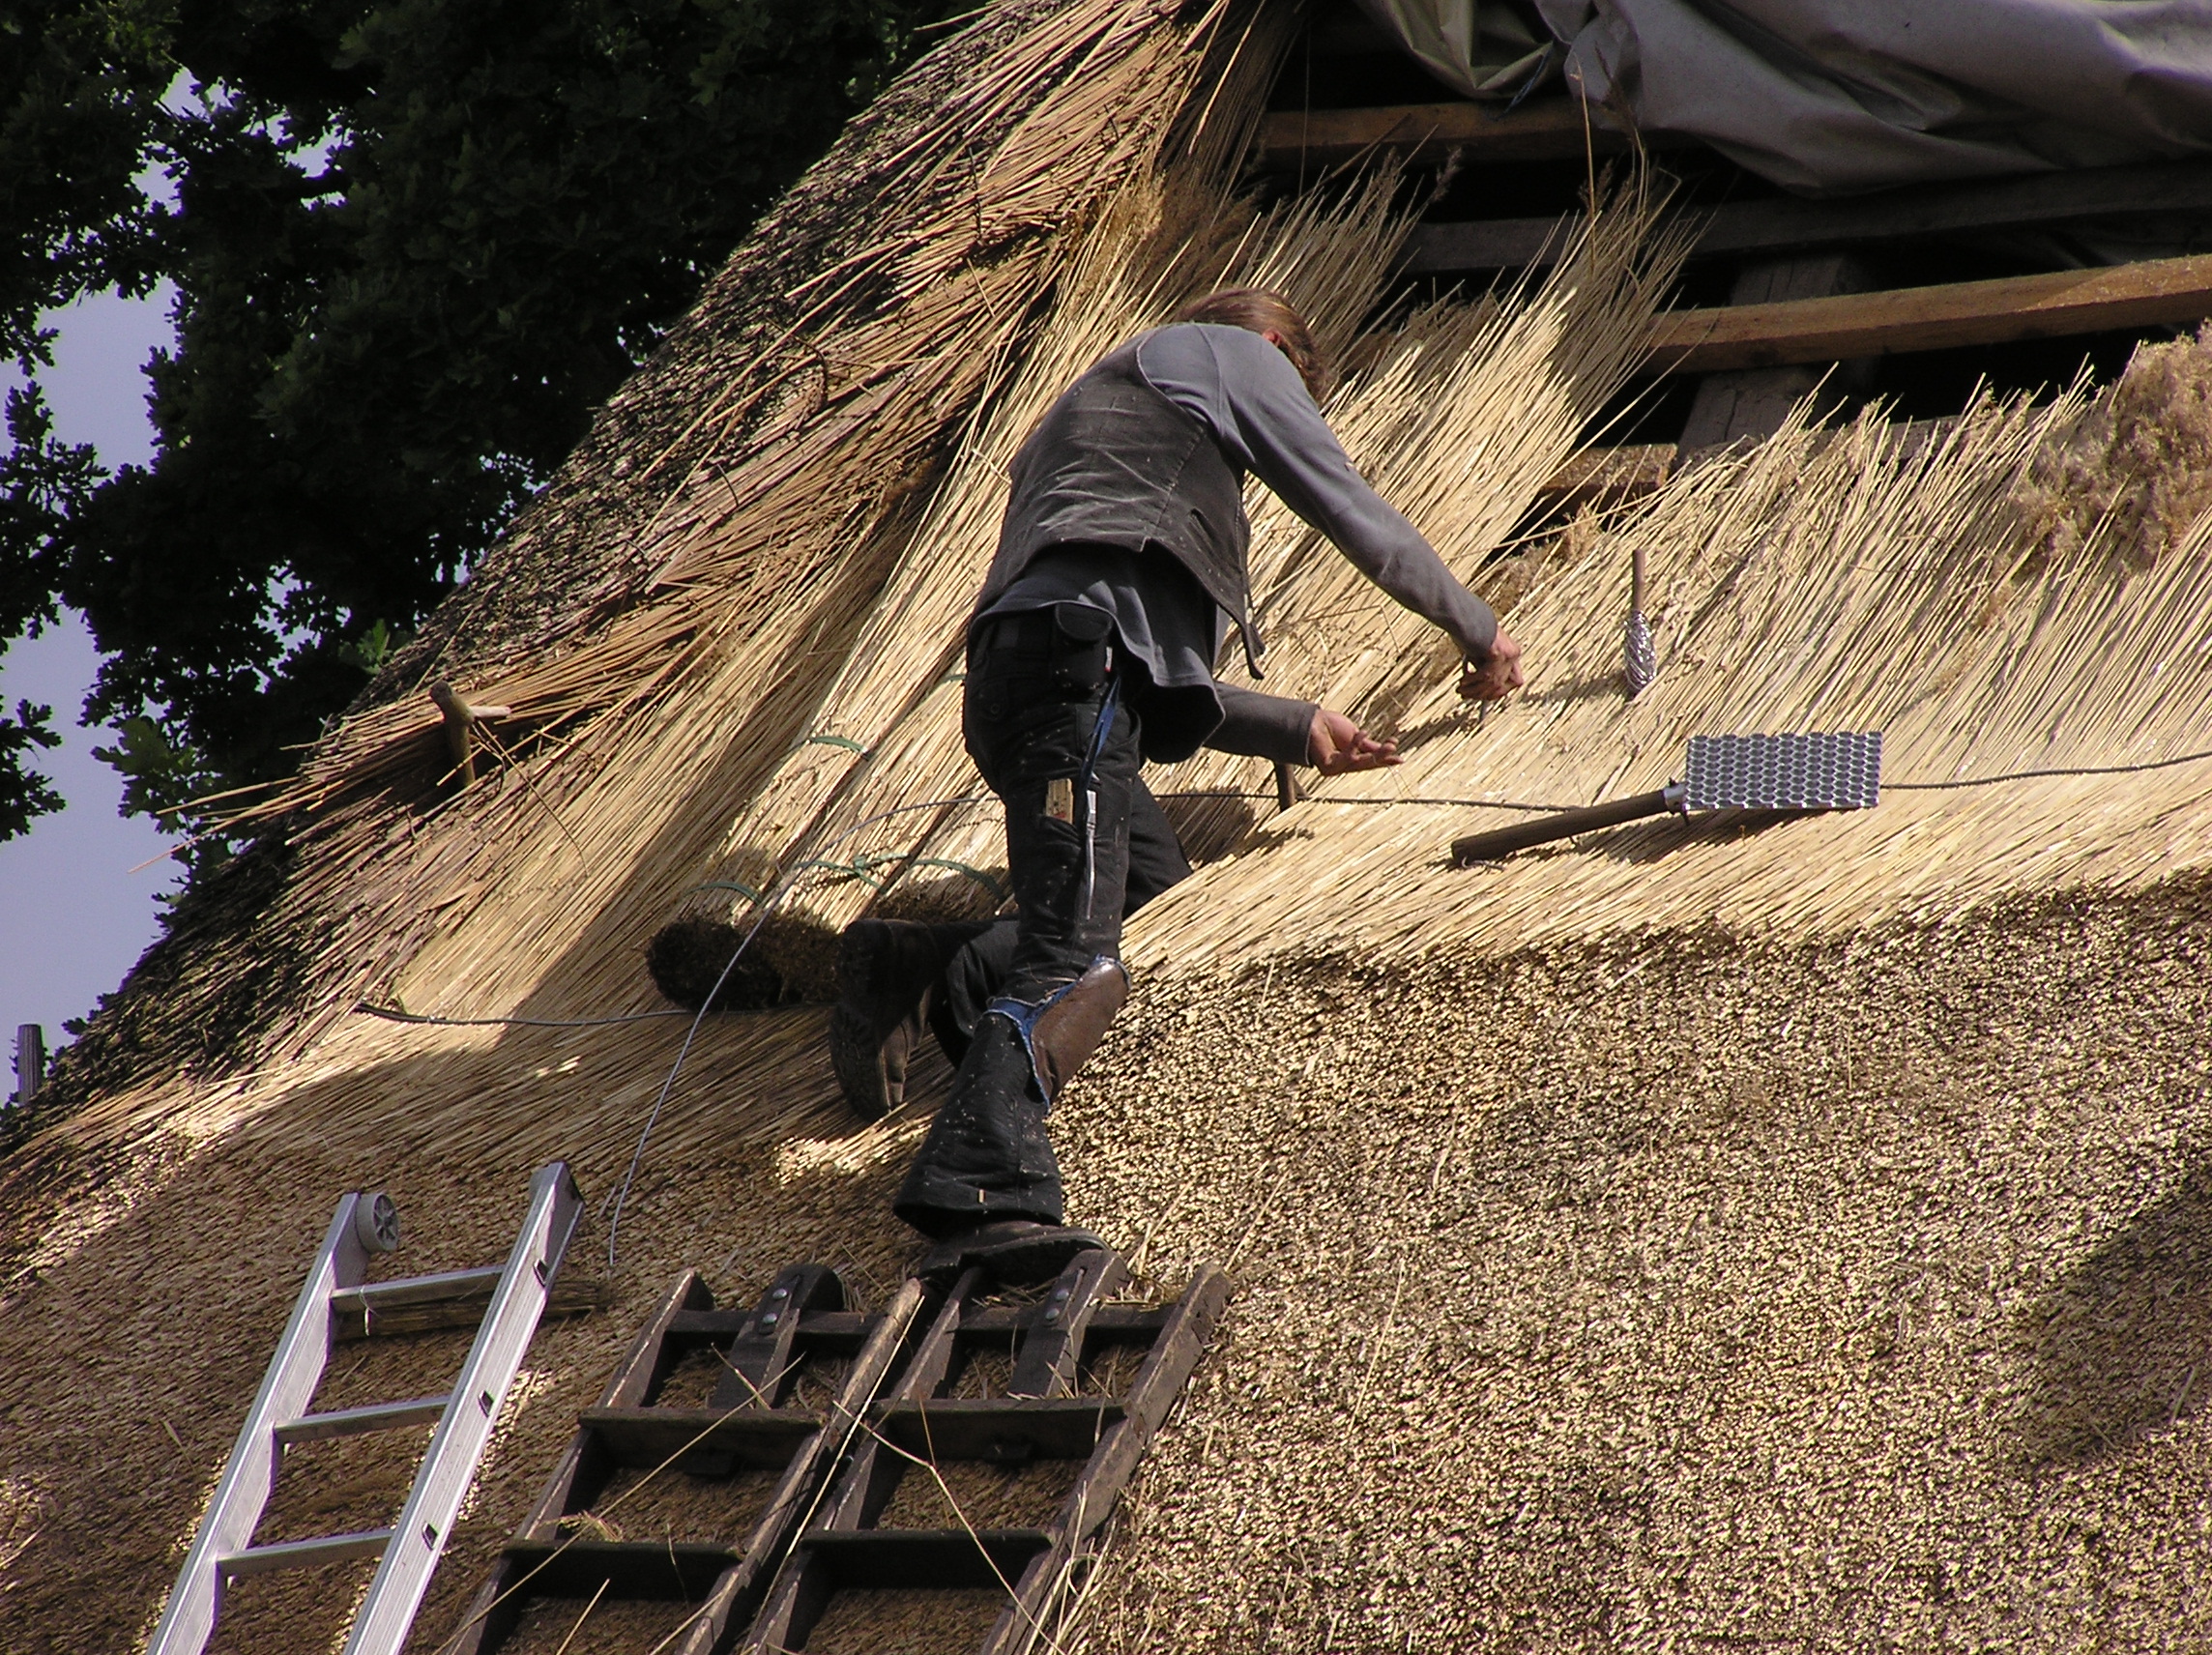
(24, 794)
(373, 647)
(158, 775)
(415, 242)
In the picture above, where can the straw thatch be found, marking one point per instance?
(834, 360)
(1748, 1232)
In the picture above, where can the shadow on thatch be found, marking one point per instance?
(1588, 688)
(791, 958)
(2121, 1348)
(1656, 840)
(1452, 724)
(1211, 828)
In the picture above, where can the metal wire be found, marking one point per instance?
(394, 1015)
(782, 889)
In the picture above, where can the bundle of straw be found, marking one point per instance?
(1465, 412)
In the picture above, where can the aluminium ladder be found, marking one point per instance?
(366, 1223)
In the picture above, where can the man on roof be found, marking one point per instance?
(1121, 564)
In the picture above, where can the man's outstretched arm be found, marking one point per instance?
(1249, 394)
(1295, 733)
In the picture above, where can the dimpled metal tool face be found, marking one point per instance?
(1836, 772)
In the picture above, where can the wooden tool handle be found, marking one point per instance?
(1559, 825)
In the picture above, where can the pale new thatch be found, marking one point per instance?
(1782, 1233)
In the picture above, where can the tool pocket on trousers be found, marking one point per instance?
(1083, 641)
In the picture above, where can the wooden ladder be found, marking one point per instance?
(1039, 1418)
(333, 1297)
(745, 1426)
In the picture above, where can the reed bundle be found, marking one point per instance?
(1821, 581)
(694, 627)
(1463, 411)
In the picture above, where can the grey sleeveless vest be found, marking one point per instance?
(1114, 464)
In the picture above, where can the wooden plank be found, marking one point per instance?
(1935, 318)
(1001, 1431)
(678, 1571)
(718, 1438)
(821, 1333)
(759, 1361)
(1756, 402)
(365, 1314)
(800, 1591)
(938, 1559)
(1549, 129)
(738, 1593)
(576, 1478)
(1054, 1344)
(1792, 225)
(1038, 1600)
(1114, 1324)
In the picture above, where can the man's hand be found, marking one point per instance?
(1336, 744)
(1497, 677)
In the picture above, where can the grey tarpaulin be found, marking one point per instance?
(1480, 48)
(1826, 97)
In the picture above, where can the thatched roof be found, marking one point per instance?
(1784, 1233)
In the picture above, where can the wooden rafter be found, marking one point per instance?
(1551, 129)
(1935, 318)
(1897, 215)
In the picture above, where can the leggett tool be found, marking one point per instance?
(1839, 770)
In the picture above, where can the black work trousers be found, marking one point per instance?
(1055, 735)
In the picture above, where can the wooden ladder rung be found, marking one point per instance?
(303, 1554)
(757, 1437)
(355, 1421)
(1112, 1323)
(661, 1571)
(880, 1559)
(1006, 1431)
(826, 1332)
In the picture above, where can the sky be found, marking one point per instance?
(74, 916)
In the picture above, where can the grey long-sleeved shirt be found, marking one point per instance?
(1246, 394)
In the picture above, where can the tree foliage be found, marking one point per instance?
(412, 243)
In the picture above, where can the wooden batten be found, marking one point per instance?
(1789, 225)
(1940, 317)
(1551, 129)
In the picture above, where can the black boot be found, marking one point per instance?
(1013, 1252)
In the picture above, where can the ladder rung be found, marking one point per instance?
(303, 1554)
(1117, 1323)
(889, 1558)
(439, 1288)
(832, 1332)
(658, 1570)
(354, 1421)
(643, 1438)
(1001, 1430)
